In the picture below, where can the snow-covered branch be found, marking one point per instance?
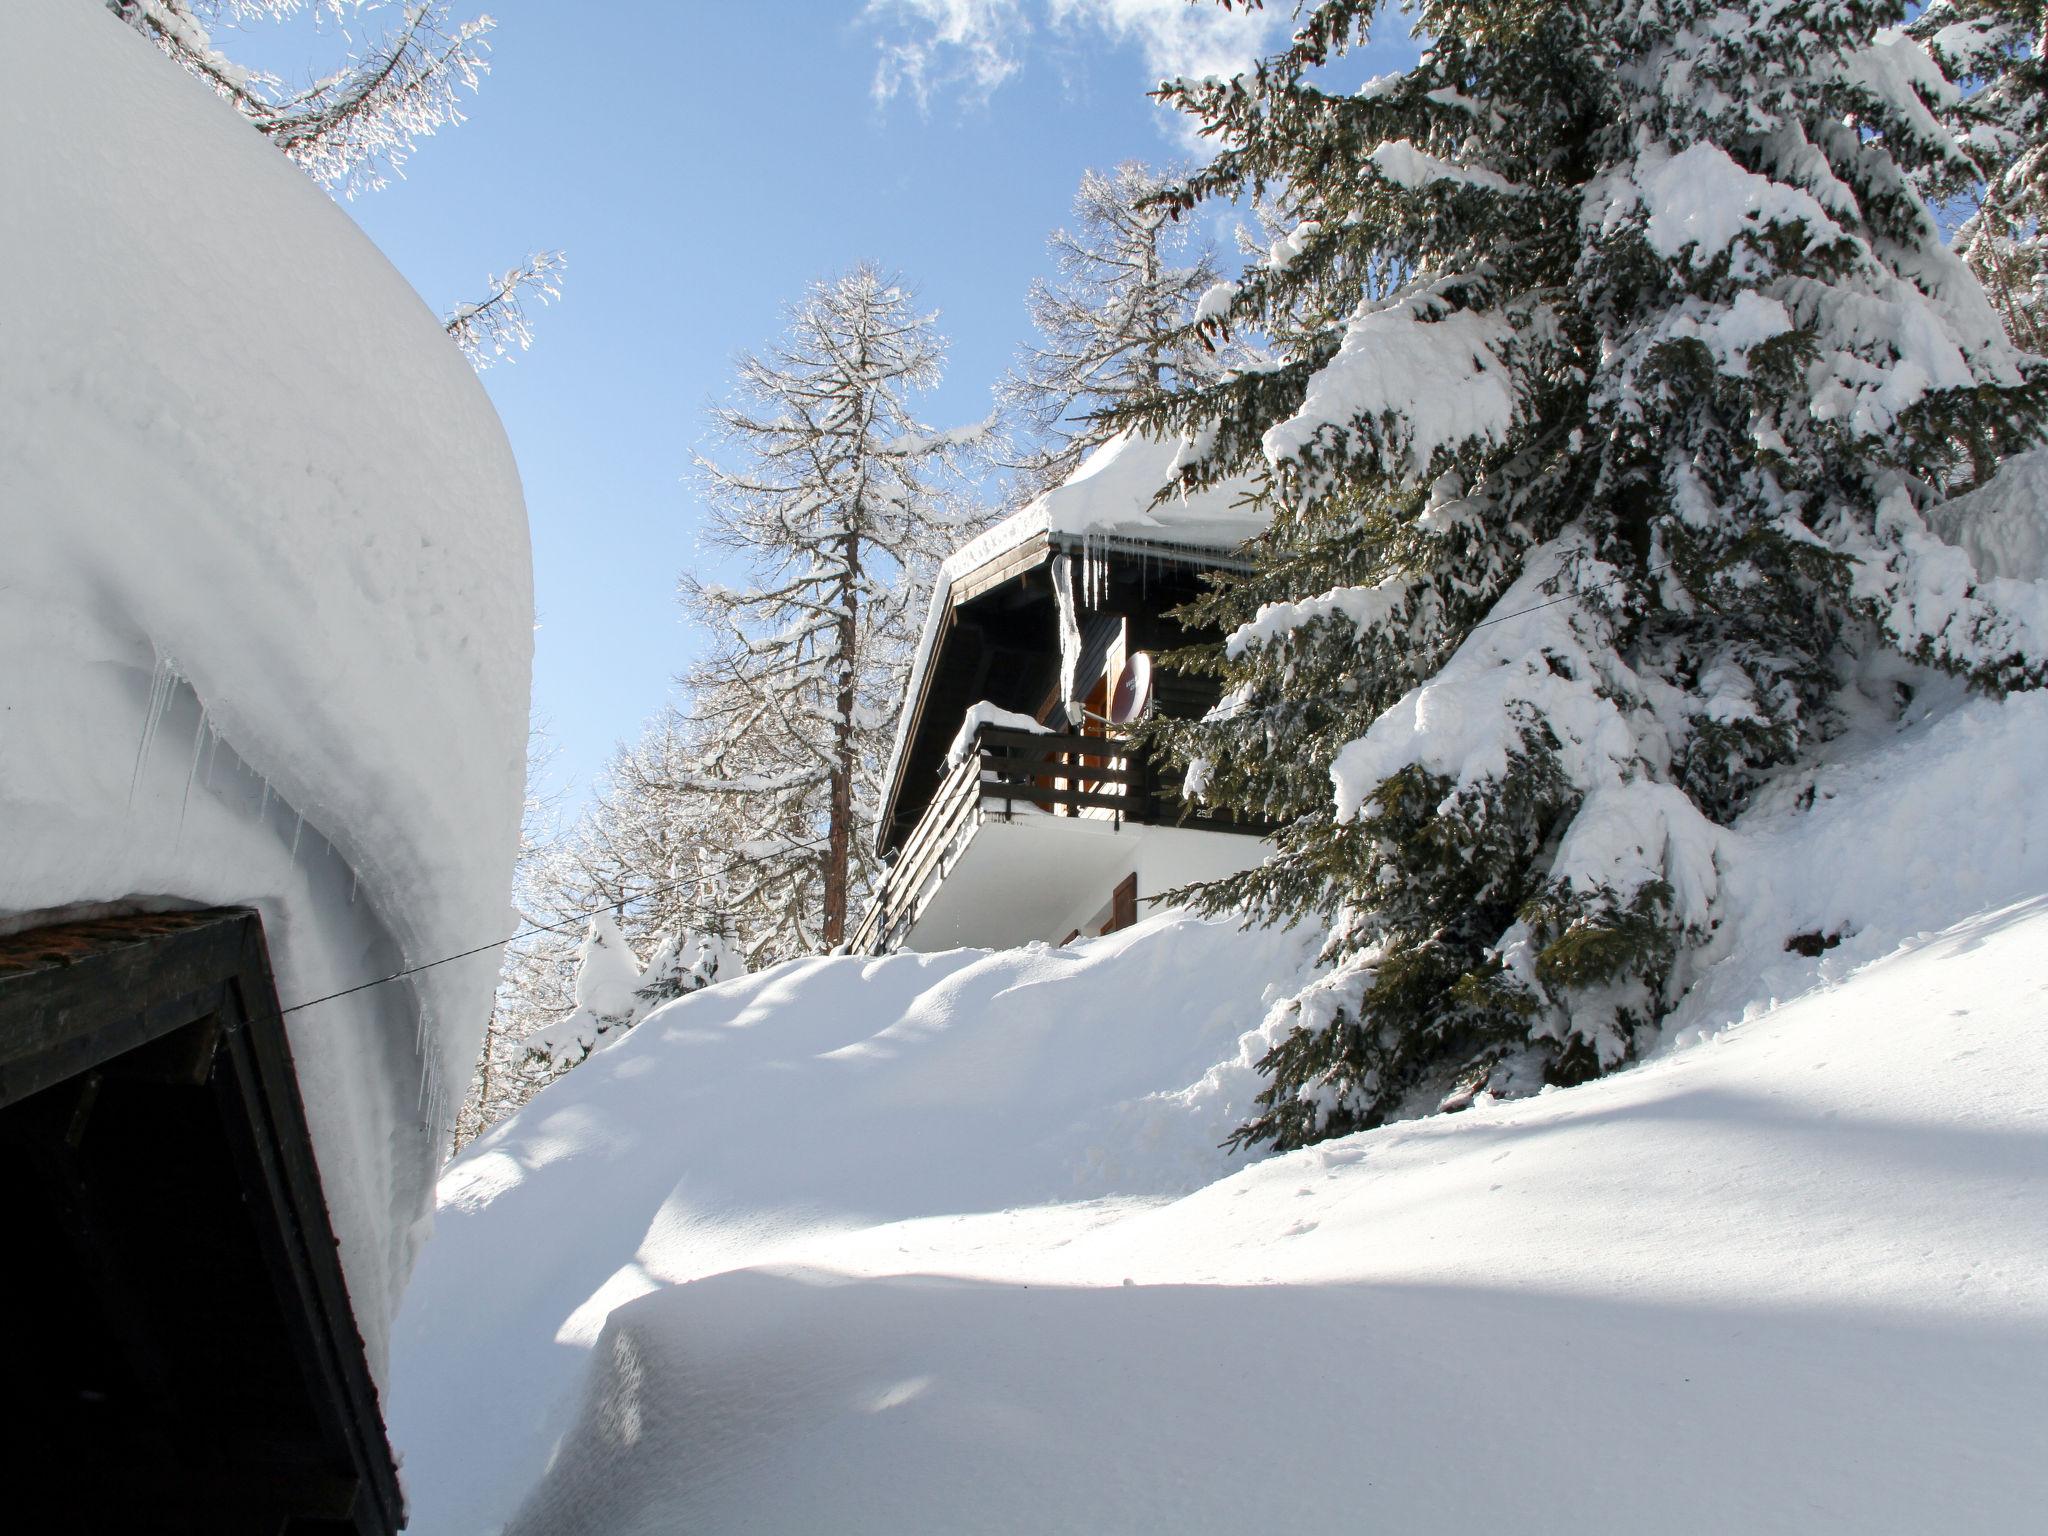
(496, 326)
(354, 128)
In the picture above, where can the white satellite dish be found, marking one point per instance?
(1133, 695)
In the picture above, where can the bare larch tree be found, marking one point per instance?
(1113, 324)
(840, 503)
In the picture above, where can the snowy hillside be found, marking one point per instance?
(943, 1243)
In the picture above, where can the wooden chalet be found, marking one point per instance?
(1014, 809)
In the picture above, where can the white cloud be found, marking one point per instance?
(1179, 39)
(968, 46)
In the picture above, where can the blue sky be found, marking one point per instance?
(700, 161)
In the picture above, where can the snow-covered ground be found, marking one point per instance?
(943, 1243)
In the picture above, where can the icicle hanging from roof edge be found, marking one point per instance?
(199, 735)
(1070, 635)
(163, 681)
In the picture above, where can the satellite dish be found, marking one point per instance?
(1133, 694)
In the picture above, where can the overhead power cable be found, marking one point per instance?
(1502, 618)
(727, 868)
(524, 933)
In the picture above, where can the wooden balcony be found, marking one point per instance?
(1008, 774)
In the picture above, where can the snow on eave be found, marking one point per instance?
(268, 609)
(1105, 505)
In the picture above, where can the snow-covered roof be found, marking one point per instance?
(1109, 499)
(1106, 504)
(267, 611)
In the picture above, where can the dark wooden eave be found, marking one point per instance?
(981, 653)
(187, 1359)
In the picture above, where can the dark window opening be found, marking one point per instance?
(182, 1354)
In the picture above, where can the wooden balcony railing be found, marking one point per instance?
(1008, 773)
(1066, 775)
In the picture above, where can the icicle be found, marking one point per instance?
(297, 827)
(1070, 635)
(163, 678)
(185, 801)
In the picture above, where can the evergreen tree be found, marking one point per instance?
(615, 991)
(841, 505)
(649, 851)
(1619, 362)
(1113, 324)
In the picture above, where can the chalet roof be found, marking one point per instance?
(1106, 505)
(1109, 499)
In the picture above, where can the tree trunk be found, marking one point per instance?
(839, 834)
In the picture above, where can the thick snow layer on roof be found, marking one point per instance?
(1106, 503)
(943, 1242)
(1110, 497)
(265, 592)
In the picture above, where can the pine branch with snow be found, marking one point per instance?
(354, 128)
(494, 327)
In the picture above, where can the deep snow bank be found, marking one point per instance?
(265, 598)
(943, 1243)
(1791, 1284)
(824, 1097)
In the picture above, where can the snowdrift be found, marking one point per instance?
(944, 1243)
(265, 593)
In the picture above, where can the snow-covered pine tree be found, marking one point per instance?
(1991, 50)
(841, 503)
(1112, 325)
(649, 852)
(1620, 362)
(768, 787)
(684, 962)
(607, 986)
(615, 990)
(673, 856)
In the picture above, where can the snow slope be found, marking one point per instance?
(265, 592)
(943, 1243)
